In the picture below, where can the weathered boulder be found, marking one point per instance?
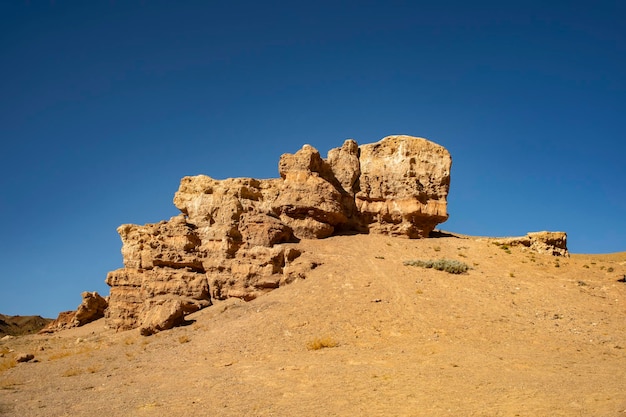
(238, 237)
(90, 309)
(403, 186)
(162, 315)
(24, 357)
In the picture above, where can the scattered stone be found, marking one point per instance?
(24, 357)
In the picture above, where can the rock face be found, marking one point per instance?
(403, 186)
(238, 237)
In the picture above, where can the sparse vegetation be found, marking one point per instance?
(503, 246)
(610, 269)
(321, 343)
(452, 266)
(68, 351)
(437, 248)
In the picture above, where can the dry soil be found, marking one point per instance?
(520, 334)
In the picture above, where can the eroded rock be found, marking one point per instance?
(551, 243)
(403, 186)
(92, 307)
(238, 237)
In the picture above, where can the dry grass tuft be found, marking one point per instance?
(70, 352)
(451, 266)
(321, 343)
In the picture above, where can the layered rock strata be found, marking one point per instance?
(238, 237)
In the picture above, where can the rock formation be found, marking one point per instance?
(91, 308)
(551, 243)
(238, 237)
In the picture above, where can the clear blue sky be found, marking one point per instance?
(105, 105)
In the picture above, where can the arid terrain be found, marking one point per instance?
(19, 325)
(519, 334)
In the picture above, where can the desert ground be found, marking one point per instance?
(519, 334)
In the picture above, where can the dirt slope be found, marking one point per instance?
(519, 334)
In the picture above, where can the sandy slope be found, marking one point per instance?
(515, 336)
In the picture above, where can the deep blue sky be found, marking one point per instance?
(105, 105)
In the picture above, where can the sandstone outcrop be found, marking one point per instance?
(551, 243)
(238, 237)
(91, 308)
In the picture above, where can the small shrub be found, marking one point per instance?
(321, 343)
(451, 266)
(184, 339)
(610, 269)
(437, 248)
(586, 266)
(503, 246)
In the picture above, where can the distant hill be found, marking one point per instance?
(20, 325)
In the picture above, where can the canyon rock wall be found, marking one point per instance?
(238, 237)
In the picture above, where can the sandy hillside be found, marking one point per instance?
(518, 335)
